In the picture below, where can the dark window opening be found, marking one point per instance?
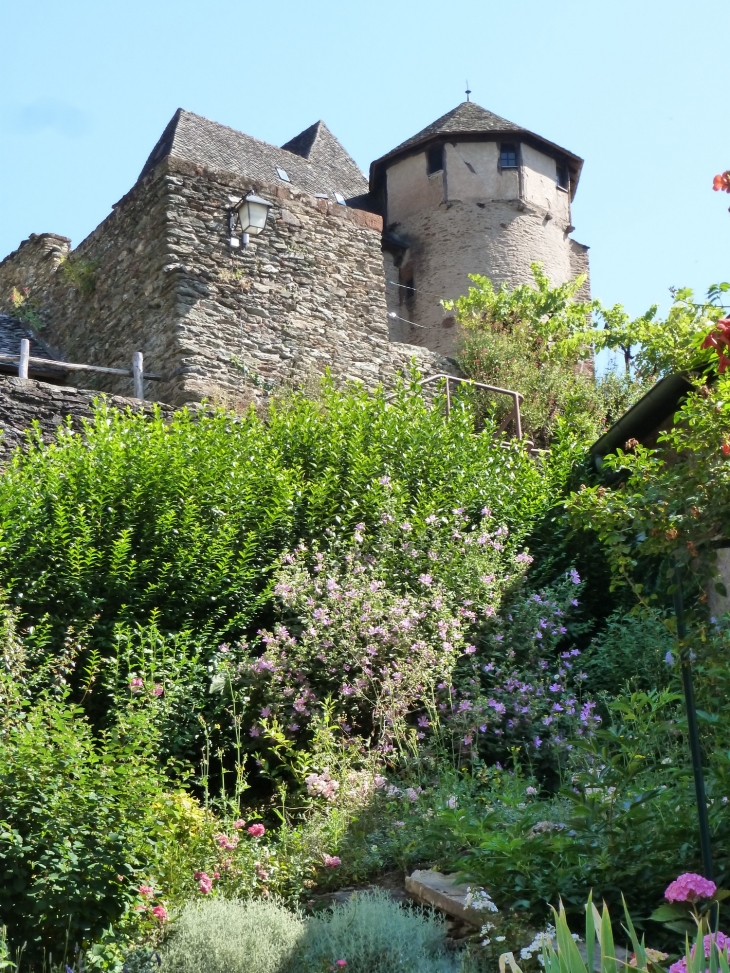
(563, 176)
(407, 292)
(508, 156)
(435, 160)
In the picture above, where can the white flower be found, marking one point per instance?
(479, 899)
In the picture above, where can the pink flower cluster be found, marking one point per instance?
(721, 941)
(148, 892)
(322, 785)
(225, 842)
(205, 882)
(332, 861)
(690, 887)
(257, 830)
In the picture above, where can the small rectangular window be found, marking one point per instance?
(508, 155)
(563, 177)
(282, 174)
(340, 199)
(435, 160)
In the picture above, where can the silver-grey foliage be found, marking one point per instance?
(231, 936)
(375, 935)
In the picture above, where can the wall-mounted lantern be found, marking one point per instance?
(252, 212)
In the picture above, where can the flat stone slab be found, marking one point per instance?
(446, 893)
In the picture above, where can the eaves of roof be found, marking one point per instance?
(471, 122)
(646, 416)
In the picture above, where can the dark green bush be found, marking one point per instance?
(79, 819)
(188, 519)
(630, 649)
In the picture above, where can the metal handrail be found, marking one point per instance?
(517, 397)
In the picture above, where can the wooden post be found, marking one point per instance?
(138, 374)
(24, 357)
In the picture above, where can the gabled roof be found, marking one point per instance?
(314, 161)
(472, 121)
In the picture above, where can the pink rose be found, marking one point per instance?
(160, 912)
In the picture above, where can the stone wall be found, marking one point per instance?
(305, 295)
(111, 296)
(25, 402)
(158, 276)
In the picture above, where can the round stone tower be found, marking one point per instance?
(471, 194)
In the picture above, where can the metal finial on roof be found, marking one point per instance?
(468, 90)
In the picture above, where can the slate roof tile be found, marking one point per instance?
(314, 160)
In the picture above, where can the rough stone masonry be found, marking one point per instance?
(217, 323)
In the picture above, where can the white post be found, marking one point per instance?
(24, 357)
(138, 374)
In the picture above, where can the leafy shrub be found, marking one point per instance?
(631, 648)
(378, 648)
(549, 327)
(84, 819)
(78, 822)
(624, 821)
(374, 935)
(232, 936)
(188, 519)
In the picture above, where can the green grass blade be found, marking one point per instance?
(639, 950)
(608, 950)
(590, 933)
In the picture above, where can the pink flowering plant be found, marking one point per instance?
(382, 651)
(690, 899)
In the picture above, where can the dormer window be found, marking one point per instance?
(508, 155)
(435, 160)
(563, 177)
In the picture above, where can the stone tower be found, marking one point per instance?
(471, 194)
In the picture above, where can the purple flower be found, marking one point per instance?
(574, 576)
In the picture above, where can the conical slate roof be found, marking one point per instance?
(314, 161)
(468, 118)
(471, 120)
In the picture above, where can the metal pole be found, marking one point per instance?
(24, 358)
(518, 420)
(692, 730)
(448, 396)
(138, 374)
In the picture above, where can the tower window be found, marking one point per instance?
(508, 155)
(563, 177)
(435, 160)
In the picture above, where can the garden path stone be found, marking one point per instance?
(446, 893)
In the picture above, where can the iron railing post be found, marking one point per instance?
(692, 728)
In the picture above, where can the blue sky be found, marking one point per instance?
(636, 87)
